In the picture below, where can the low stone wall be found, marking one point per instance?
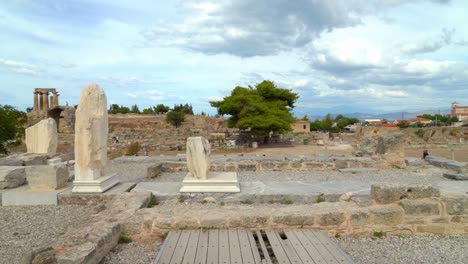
(392, 209)
(459, 167)
(269, 164)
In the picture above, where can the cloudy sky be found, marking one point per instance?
(340, 56)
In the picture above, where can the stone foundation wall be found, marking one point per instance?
(392, 209)
(270, 164)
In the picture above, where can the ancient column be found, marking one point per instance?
(51, 101)
(41, 103)
(36, 102)
(91, 128)
(198, 157)
(45, 102)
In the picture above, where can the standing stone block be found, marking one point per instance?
(91, 129)
(42, 137)
(198, 157)
(12, 176)
(46, 177)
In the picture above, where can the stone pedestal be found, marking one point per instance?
(46, 177)
(91, 130)
(98, 185)
(217, 182)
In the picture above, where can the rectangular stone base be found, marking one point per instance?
(99, 185)
(217, 182)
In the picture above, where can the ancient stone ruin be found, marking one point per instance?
(42, 101)
(42, 137)
(199, 179)
(91, 130)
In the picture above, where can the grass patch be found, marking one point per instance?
(181, 199)
(379, 234)
(152, 202)
(125, 240)
(286, 201)
(419, 133)
(337, 235)
(248, 201)
(320, 199)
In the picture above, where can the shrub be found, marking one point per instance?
(133, 149)
(124, 239)
(153, 202)
(419, 133)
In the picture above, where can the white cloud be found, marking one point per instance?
(21, 67)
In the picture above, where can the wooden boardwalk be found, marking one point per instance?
(240, 246)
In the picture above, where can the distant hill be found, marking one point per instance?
(388, 116)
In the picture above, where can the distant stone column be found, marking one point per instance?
(91, 129)
(45, 102)
(56, 99)
(51, 101)
(41, 103)
(36, 102)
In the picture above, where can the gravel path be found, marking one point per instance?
(25, 228)
(134, 252)
(428, 175)
(434, 249)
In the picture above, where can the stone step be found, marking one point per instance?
(456, 176)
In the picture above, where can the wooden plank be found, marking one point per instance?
(297, 245)
(245, 247)
(234, 248)
(202, 247)
(326, 255)
(191, 251)
(266, 256)
(168, 247)
(180, 248)
(333, 248)
(224, 257)
(309, 247)
(277, 248)
(253, 245)
(288, 249)
(213, 244)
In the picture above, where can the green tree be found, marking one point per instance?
(135, 109)
(175, 117)
(160, 108)
(186, 109)
(403, 124)
(11, 127)
(116, 109)
(264, 108)
(148, 111)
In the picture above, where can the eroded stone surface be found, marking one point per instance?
(91, 128)
(198, 157)
(46, 177)
(12, 176)
(42, 137)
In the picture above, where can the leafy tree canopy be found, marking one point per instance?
(160, 108)
(186, 109)
(264, 108)
(333, 125)
(175, 117)
(11, 126)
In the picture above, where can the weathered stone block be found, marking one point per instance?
(267, 165)
(387, 193)
(247, 166)
(253, 221)
(359, 217)
(454, 206)
(440, 220)
(314, 165)
(291, 219)
(387, 215)
(42, 137)
(154, 171)
(12, 176)
(422, 191)
(420, 207)
(198, 157)
(46, 177)
(331, 218)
